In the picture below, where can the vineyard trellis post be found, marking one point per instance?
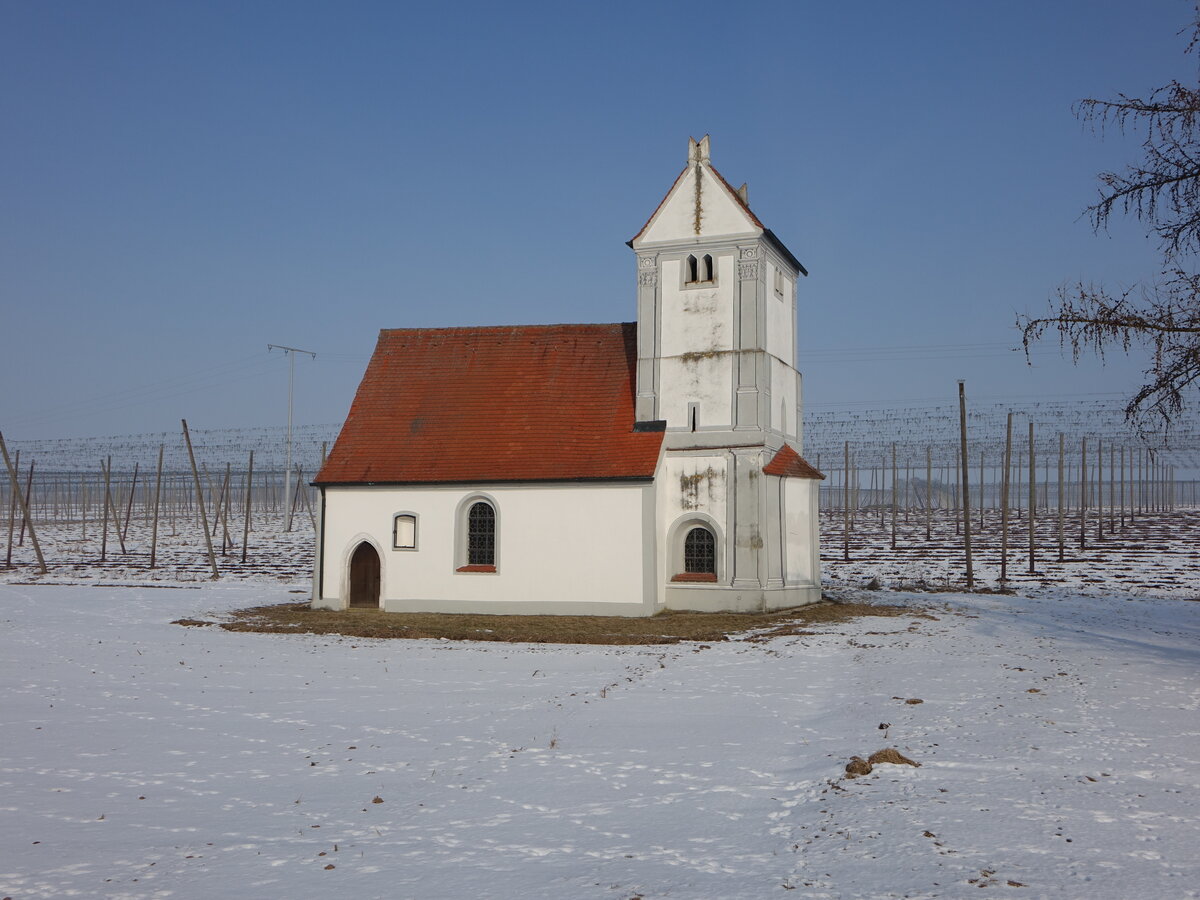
(1112, 484)
(1032, 497)
(249, 488)
(12, 516)
(28, 501)
(157, 498)
(129, 504)
(1004, 483)
(962, 424)
(1083, 498)
(223, 511)
(1061, 497)
(893, 495)
(846, 506)
(981, 496)
(907, 487)
(15, 480)
(212, 559)
(303, 491)
(928, 492)
(104, 528)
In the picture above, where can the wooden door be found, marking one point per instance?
(364, 577)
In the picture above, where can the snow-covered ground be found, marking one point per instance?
(1058, 742)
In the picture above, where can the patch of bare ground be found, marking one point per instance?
(669, 627)
(890, 755)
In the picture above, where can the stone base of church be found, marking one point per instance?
(734, 599)
(499, 607)
(704, 598)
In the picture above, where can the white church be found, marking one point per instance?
(616, 469)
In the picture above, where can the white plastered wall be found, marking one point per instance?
(802, 561)
(720, 214)
(560, 548)
(692, 488)
(783, 398)
(696, 345)
(781, 329)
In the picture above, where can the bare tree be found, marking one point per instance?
(1162, 190)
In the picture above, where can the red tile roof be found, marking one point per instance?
(520, 403)
(787, 463)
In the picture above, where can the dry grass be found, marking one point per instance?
(665, 628)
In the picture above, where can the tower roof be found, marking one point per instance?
(702, 204)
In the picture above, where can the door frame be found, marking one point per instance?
(351, 549)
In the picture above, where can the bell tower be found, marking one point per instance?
(716, 314)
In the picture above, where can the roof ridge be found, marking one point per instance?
(541, 326)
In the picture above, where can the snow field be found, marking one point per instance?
(145, 759)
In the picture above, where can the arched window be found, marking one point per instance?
(481, 535)
(700, 552)
(698, 270)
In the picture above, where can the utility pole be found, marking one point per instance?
(290, 353)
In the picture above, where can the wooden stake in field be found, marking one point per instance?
(1019, 478)
(846, 506)
(962, 425)
(154, 523)
(129, 505)
(1061, 499)
(104, 530)
(223, 511)
(1112, 484)
(12, 517)
(1004, 503)
(28, 501)
(249, 489)
(928, 492)
(893, 495)
(15, 481)
(1099, 491)
(302, 489)
(981, 498)
(212, 559)
(1083, 499)
(1032, 496)
(112, 505)
(1122, 487)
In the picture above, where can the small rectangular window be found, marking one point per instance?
(404, 532)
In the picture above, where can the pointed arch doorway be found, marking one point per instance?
(364, 577)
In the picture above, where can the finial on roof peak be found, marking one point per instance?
(698, 151)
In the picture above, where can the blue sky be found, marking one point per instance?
(184, 183)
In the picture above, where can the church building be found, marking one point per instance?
(616, 469)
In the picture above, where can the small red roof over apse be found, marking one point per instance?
(787, 463)
(513, 403)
